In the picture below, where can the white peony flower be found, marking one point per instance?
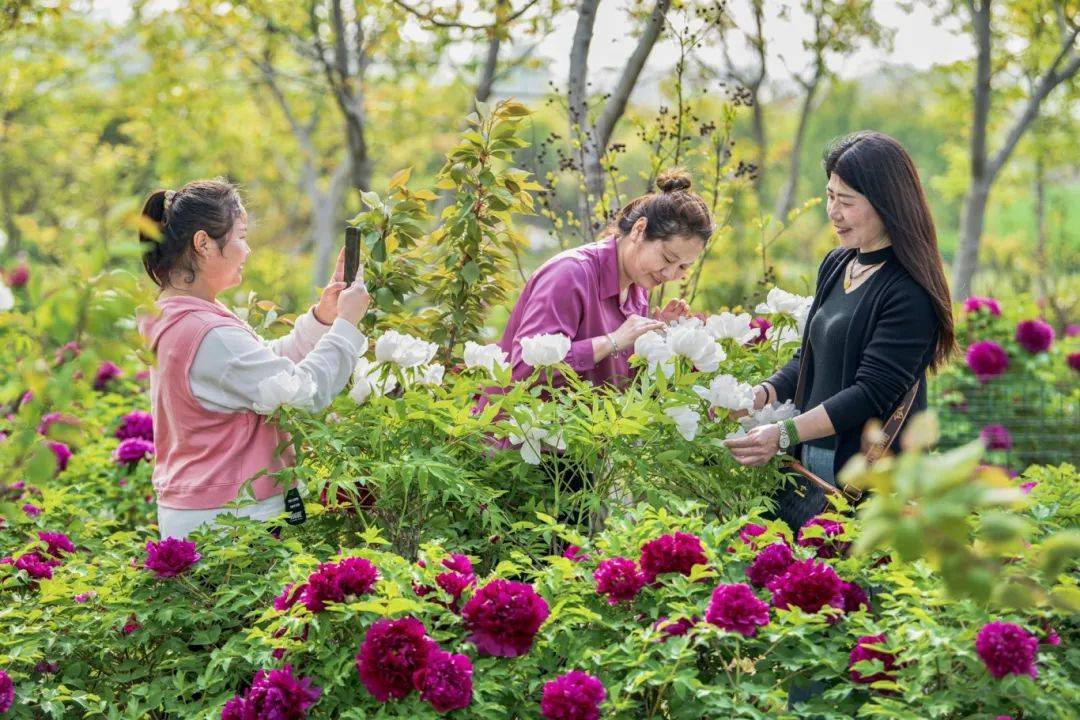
(7, 298)
(781, 302)
(782, 335)
(802, 314)
(654, 348)
(685, 419)
(695, 344)
(543, 350)
(295, 389)
(726, 391)
(367, 380)
(430, 374)
(769, 414)
(532, 436)
(730, 325)
(403, 350)
(488, 357)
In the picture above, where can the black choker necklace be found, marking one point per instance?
(876, 256)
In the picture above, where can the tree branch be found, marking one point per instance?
(430, 17)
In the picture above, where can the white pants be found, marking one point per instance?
(176, 523)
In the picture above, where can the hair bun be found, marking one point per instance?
(674, 181)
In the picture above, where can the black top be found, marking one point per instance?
(889, 343)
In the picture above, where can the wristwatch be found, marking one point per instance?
(785, 439)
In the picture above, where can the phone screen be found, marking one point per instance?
(352, 253)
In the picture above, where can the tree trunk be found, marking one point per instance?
(787, 196)
(325, 209)
(491, 63)
(967, 254)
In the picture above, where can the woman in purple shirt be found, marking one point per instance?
(598, 294)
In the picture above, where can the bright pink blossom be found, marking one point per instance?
(736, 609)
(334, 582)
(676, 553)
(619, 579)
(573, 696)
(445, 681)
(769, 563)
(808, 585)
(986, 359)
(391, 652)
(866, 649)
(1035, 336)
(503, 617)
(170, 556)
(1007, 649)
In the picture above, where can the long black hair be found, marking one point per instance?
(877, 166)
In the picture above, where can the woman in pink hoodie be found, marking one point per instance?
(215, 381)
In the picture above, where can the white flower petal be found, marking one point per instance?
(545, 349)
(726, 391)
(486, 356)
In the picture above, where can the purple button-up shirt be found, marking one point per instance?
(576, 293)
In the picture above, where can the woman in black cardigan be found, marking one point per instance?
(881, 317)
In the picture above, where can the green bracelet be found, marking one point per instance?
(792, 432)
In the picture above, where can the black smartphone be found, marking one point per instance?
(352, 253)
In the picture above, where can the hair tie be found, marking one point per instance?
(169, 195)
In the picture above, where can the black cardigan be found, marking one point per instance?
(889, 345)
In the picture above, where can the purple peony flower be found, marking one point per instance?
(762, 325)
(735, 608)
(986, 359)
(769, 563)
(996, 437)
(132, 450)
(391, 652)
(1074, 361)
(334, 582)
(574, 553)
(619, 579)
(62, 453)
(855, 597)
(274, 695)
(826, 546)
(58, 543)
(7, 692)
(573, 696)
(50, 419)
(503, 617)
(865, 650)
(671, 553)
(85, 597)
(674, 628)
(106, 373)
(290, 594)
(1028, 486)
(750, 531)
(1035, 336)
(136, 424)
(976, 304)
(44, 667)
(35, 565)
(170, 556)
(1007, 649)
(808, 585)
(445, 681)
(31, 510)
(1072, 330)
(19, 276)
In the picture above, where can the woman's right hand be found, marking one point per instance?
(353, 302)
(634, 327)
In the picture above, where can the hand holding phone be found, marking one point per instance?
(352, 254)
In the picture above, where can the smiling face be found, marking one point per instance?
(651, 263)
(221, 268)
(854, 219)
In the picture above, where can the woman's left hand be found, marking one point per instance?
(326, 310)
(757, 447)
(675, 309)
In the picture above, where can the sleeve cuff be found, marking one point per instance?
(581, 356)
(848, 409)
(351, 334)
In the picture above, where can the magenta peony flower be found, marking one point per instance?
(50, 419)
(503, 617)
(455, 584)
(35, 566)
(85, 597)
(391, 652)
(19, 276)
(31, 510)
(1072, 330)
(289, 596)
(769, 563)
(986, 359)
(458, 563)
(574, 553)
(7, 692)
(68, 351)
(130, 626)
(671, 553)
(62, 453)
(106, 373)
(1074, 361)
(1028, 486)
(334, 582)
(132, 450)
(1035, 336)
(274, 695)
(854, 597)
(864, 650)
(750, 531)
(136, 424)
(762, 325)
(808, 585)
(826, 546)
(445, 681)
(58, 543)
(996, 437)
(735, 608)
(619, 579)
(674, 628)
(573, 696)
(170, 557)
(1007, 649)
(976, 304)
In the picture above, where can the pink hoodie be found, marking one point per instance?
(203, 457)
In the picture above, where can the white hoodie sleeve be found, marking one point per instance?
(306, 331)
(234, 371)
